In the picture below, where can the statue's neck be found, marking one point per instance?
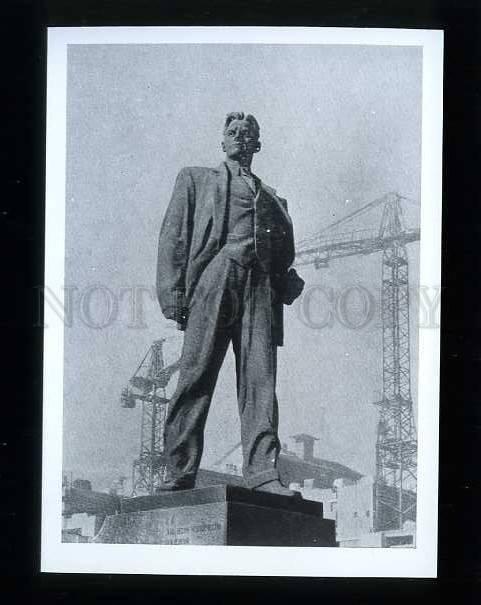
(241, 162)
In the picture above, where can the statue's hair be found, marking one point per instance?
(239, 115)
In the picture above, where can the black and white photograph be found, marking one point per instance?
(242, 301)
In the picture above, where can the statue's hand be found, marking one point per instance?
(293, 287)
(178, 309)
(181, 316)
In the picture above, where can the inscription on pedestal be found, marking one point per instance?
(202, 524)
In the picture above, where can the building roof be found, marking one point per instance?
(87, 501)
(303, 437)
(292, 469)
(324, 472)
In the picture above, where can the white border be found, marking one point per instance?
(237, 560)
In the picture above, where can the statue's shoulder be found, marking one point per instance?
(197, 172)
(271, 191)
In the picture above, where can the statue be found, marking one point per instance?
(225, 250)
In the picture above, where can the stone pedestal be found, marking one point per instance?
(223, 514)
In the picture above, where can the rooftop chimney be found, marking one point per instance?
(304, 446)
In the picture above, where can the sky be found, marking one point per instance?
(340, 127)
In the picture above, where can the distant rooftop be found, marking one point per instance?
(303, 437)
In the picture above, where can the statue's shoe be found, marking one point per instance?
(276, 487)
(175, 485)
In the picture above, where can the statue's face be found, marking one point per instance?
(240, 140)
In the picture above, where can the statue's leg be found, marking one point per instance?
(206, 339)
(256, 365)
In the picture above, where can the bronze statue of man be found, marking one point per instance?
(225, 250)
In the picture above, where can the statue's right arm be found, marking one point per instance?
(174, 247)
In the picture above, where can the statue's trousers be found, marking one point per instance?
(231, 303)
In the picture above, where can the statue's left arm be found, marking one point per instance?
(291, 284)
(174, 246)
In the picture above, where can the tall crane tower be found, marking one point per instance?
(396, 445)
(147, 386)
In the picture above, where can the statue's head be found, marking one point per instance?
(241, 136)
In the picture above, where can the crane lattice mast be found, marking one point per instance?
(147, 385)
(396, 445)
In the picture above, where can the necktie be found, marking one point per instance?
(247, 176)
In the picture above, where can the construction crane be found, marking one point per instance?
(396, 445)
(147, 386)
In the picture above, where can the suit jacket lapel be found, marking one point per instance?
(273, 196)
(220, 202)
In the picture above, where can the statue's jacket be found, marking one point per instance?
(194, 231)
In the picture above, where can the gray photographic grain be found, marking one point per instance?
(242, 302)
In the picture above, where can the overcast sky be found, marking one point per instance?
(340, 126)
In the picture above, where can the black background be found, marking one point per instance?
(22, 214)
